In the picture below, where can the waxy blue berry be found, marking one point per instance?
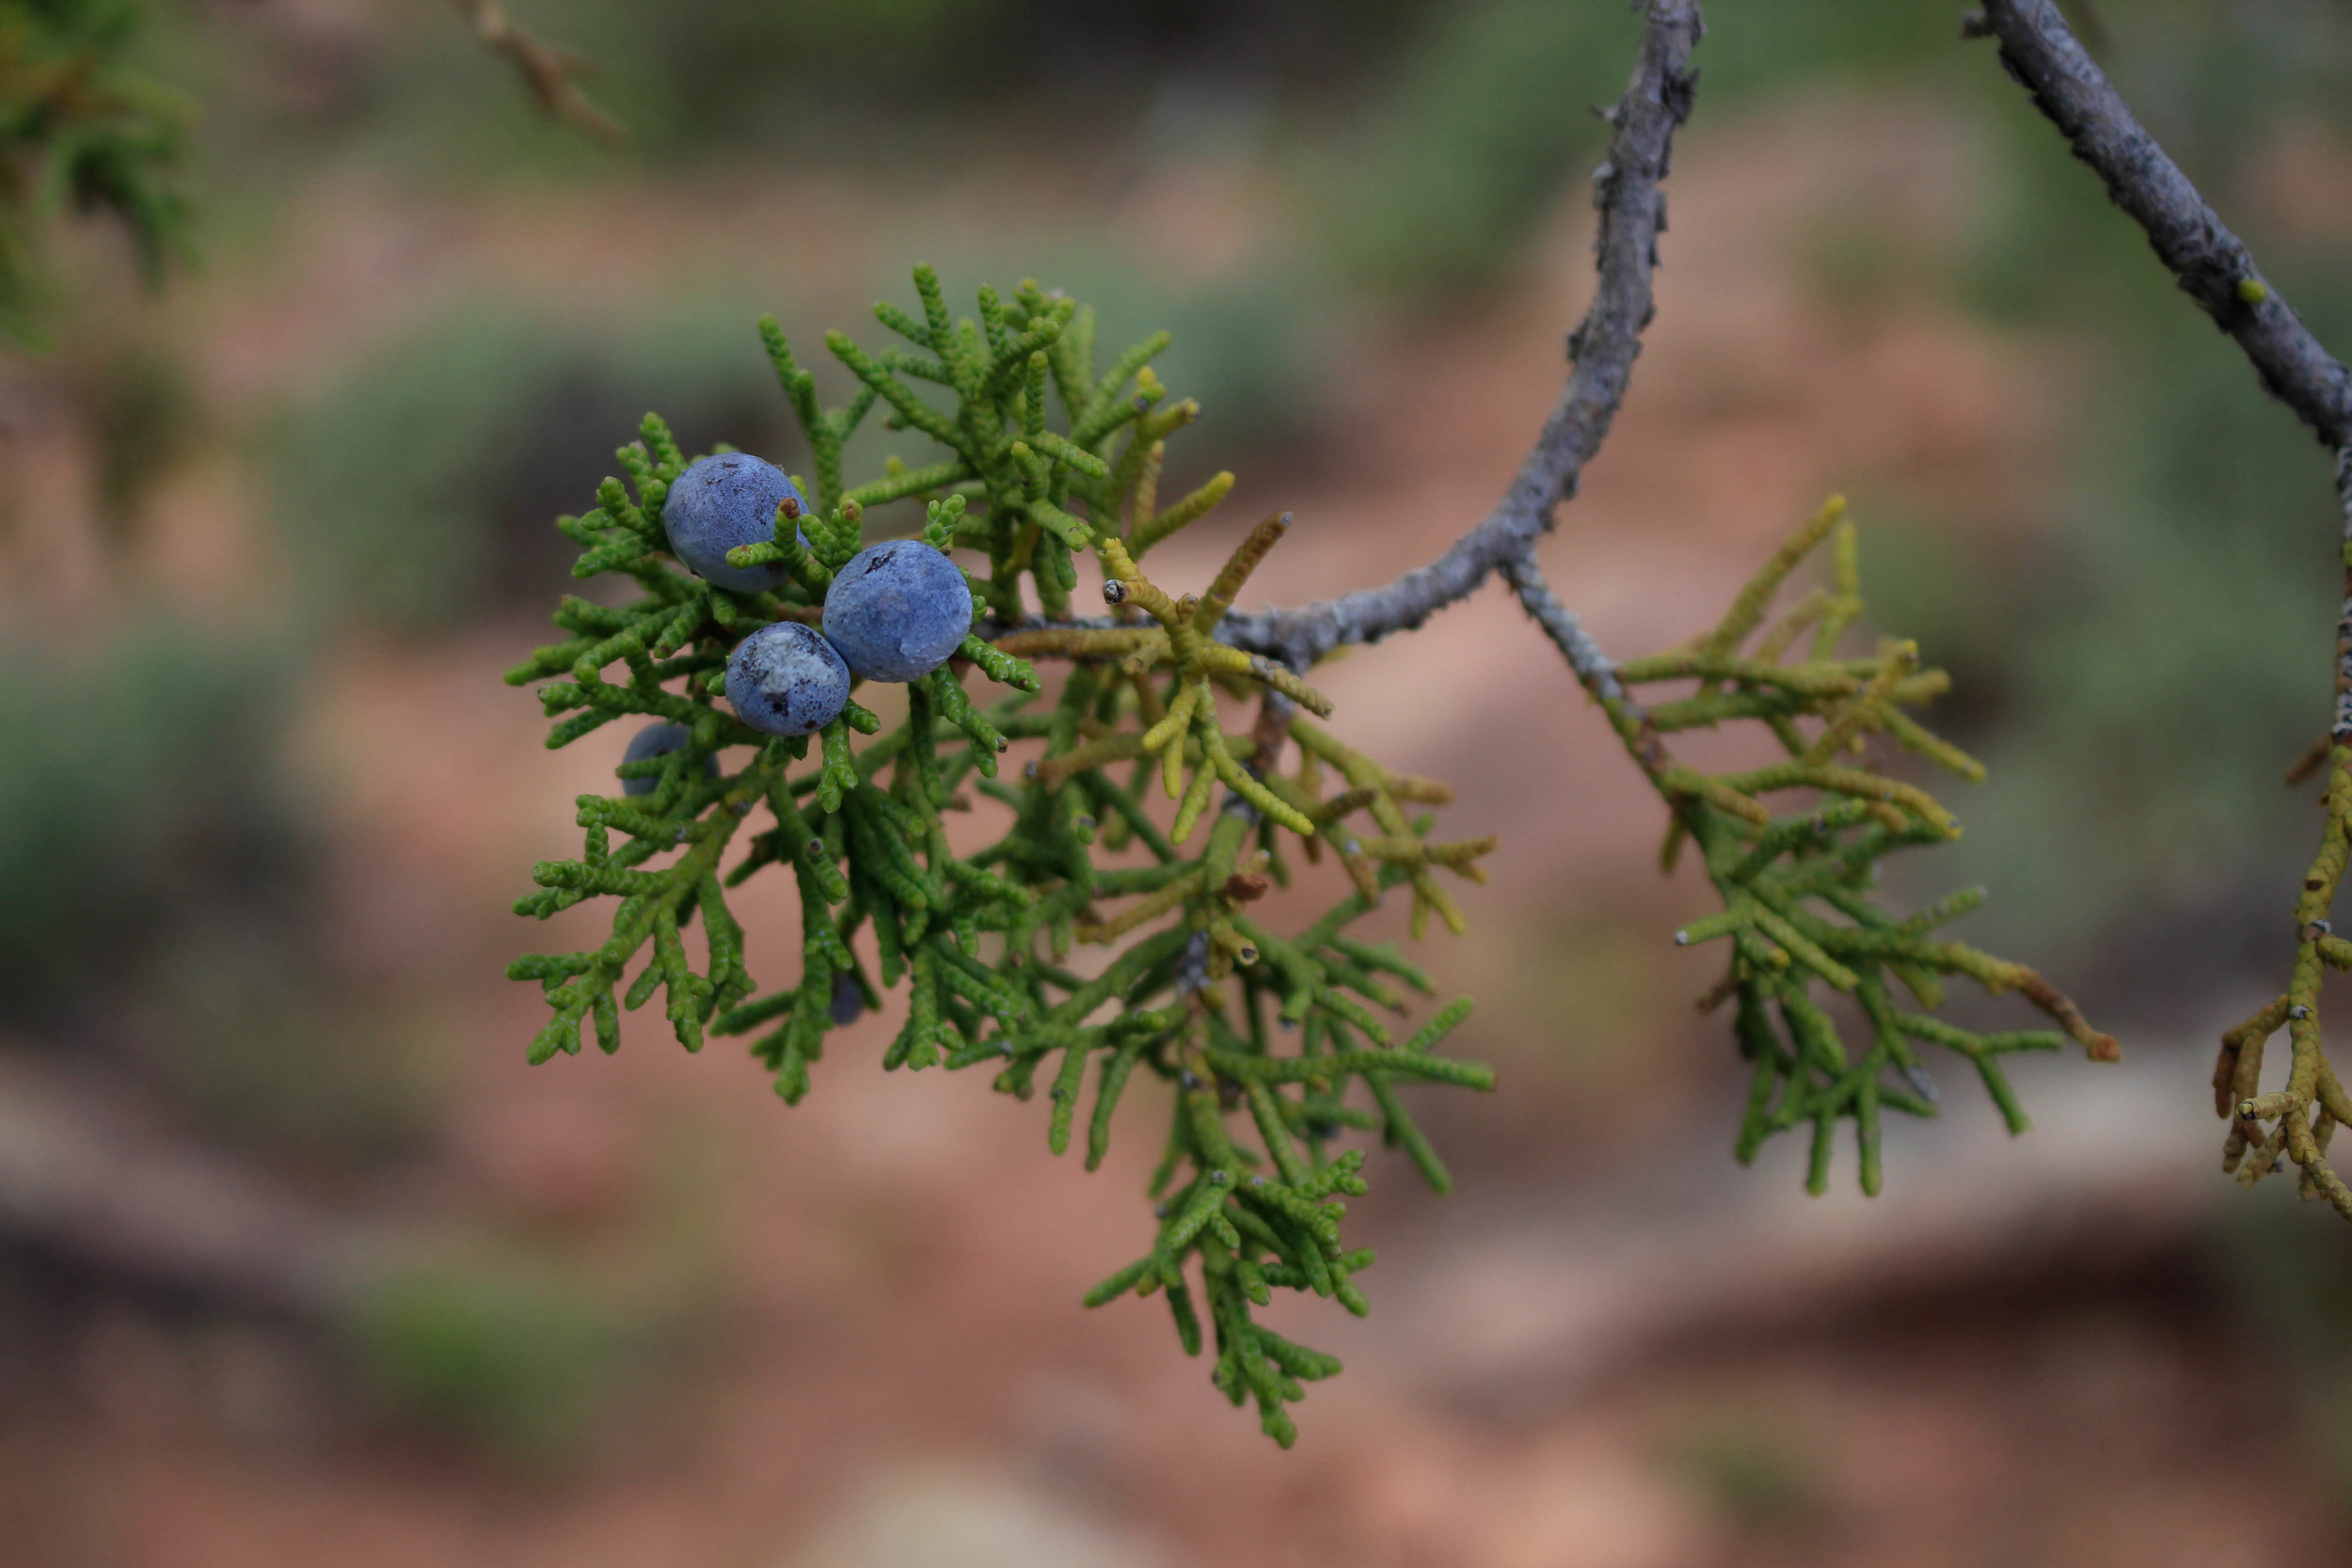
(898, 609)
(849, 1000)
(720, 502)
(659, 741)
(785, 679)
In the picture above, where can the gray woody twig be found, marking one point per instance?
(1595, 671)
(2339, 727)
(1633, 214)
(2209, 262)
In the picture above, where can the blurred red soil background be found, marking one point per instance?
(300, 1263)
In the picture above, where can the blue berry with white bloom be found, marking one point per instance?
(898, 609)
(659, 741)
(720, 502)
(785, 679)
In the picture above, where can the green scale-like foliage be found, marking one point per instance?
(1263, 1036)
(1800, 903)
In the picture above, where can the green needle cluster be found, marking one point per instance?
(1100, 932)
(1800, 912)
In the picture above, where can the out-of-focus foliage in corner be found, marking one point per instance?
(83, 128)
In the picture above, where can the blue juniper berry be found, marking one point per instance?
(898, 609)
(658, 740)
(785, 679)
(848, 998)
(720, 502)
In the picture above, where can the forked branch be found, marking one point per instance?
(1603, 347)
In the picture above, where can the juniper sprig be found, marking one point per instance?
(1798, 890)
(2291, 1127)
(1263, 1035)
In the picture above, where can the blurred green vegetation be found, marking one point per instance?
(265, 1043)
(146, 418)
(141, 792)
(506, 1354)
(548, 1339)
(161, 860)
(417, 491)
(1489, 112)
(1756, 1474)
(908, 92)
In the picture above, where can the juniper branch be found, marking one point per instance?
(2215, 268)
(2211, 264)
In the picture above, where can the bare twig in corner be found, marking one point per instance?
(545, 71)
(2209, 262)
